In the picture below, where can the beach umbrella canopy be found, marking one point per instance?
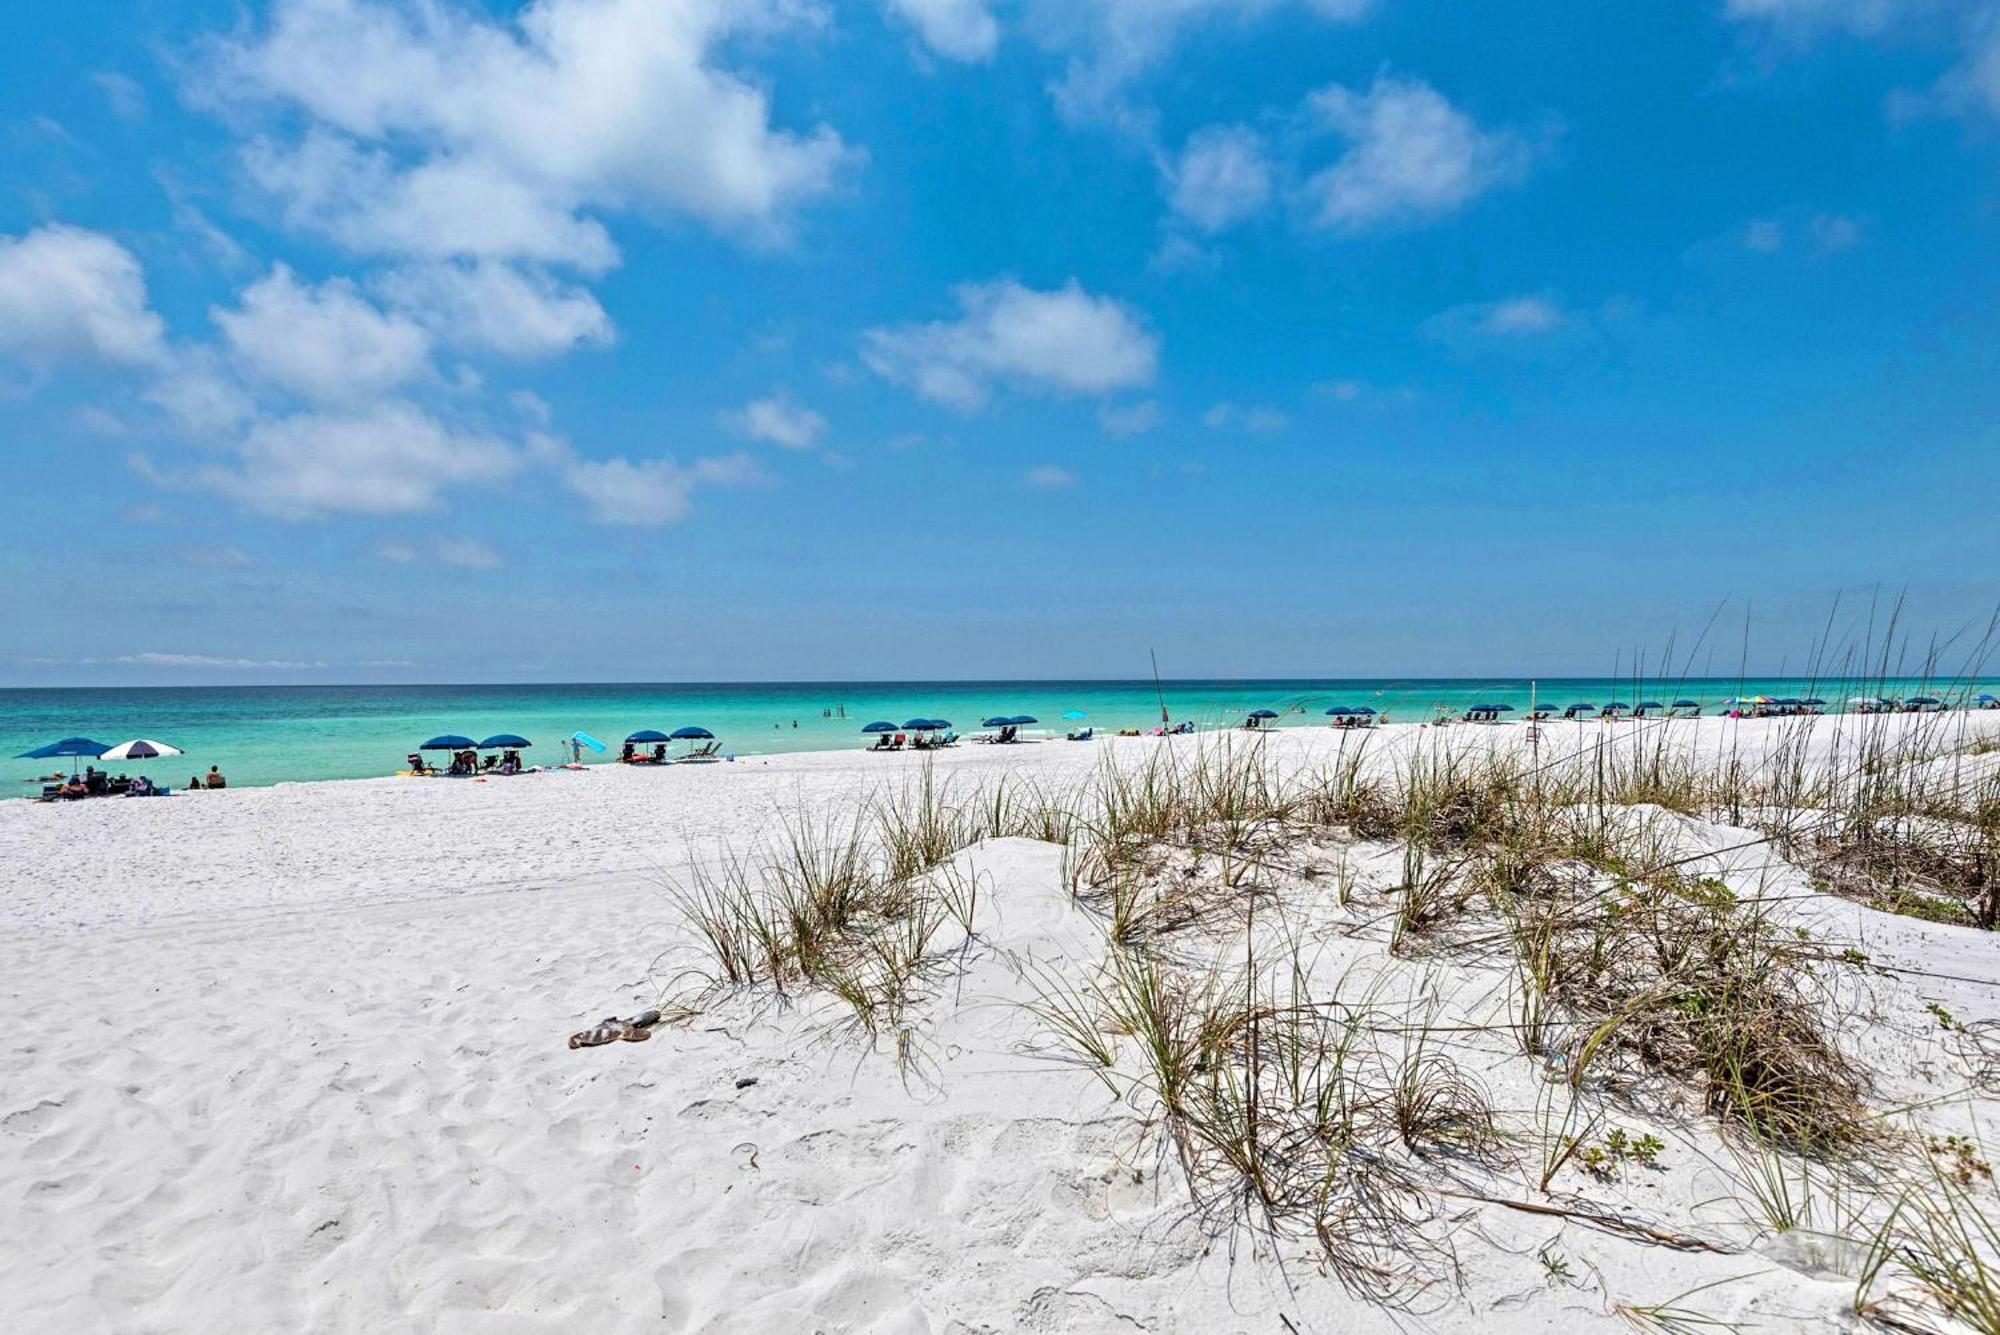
(1023, 720)
(878, 726)
(918, 724)
(693, 734)
(1923, 700)
(1493, 709)
(997, 721)
(140, 748)
(1342, 711)
(1365, 712)
(1074, 714)
(647, 735)
(1687, 704)
(1984, 698)
(939, 724)
(585, 739)
(450, 741)
(68, 746)
(504, 741)
(1568, 709)
(1615, 705)
(1263, 713)
(1651, 704)
(1812, 700)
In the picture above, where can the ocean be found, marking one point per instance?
(271, 734)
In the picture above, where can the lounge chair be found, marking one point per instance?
(1083, 734)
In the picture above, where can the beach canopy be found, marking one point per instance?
(450, 741)
(647, 735)
(582, 738)
(693, 733)
(504, 741)
(1263, 713)
(878, 726)
(1023, 720)
(1074, 714)
(140, 748)
(997, 721)
(68, 746)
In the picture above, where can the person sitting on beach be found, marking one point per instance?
(73, 786)
(660, 754)
(194, 784)
(140, 787)
(215, 779)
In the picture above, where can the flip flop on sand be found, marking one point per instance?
(611, 1029)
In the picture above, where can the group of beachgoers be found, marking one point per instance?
(94, 782)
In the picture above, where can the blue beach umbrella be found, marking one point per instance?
(450, 741)
(1923, 700)
(918, 724)
(1365, 712)
(504, 741)
(646, 736)
(940, 724)
(1580, 705)
(1263, 713)
(1692, 704)
(1615, 708)
(1342, 711)
(1812, 700)
(997, 721)
(1074, 714)
(68, 746)
(878, 726)
(1023, 720)
(1650, 704)
(693, 734)
(1493, 709)
(1985, 698)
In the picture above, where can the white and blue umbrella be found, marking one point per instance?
(140, 748)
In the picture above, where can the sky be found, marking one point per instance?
(674, 340)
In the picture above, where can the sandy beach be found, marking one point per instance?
(294, 1058)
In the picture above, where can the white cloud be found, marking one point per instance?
(1411, 156)
(1344, 390)
(1222, 177)
(957, 29)
(1833, 232)
(776, 420)
(387, 458)
(652, 492)
(1971, 85)
(1049, 477)
(67, 294)
(1766, 236)
(497, 307)
(1259, 418)
(1518, 316)
(126, 98)
(1801, 17)
(155, 659)
(1114, 42)
(467, 554)
(326, 343)
(1134, 419)
(1064, 340)
(435, 131)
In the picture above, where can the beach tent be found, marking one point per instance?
(450, 741)
(140, 748)
(504, 741)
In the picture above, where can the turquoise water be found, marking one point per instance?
(267, 734)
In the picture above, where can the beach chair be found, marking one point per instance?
(898, 744)
(1083, 734)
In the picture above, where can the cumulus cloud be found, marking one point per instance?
(1512, 317)
(1049, 477)
(1260, 418)
(1806, 16)
(437, 131)
(126, 98)
(490, 306)
(1113, 42)
(152, 658)
(1064, 341)
(956, 29)
(1221, 177)
(1128, 420)
(653, 492)
(467, 554)
(324, 342)
(1970, 87)
(1766, 236)
(1411, 156)
(387, 458)
(67, 294)
(776, 420)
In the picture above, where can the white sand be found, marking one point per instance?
(293, 1059)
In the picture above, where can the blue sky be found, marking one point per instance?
(757, 339)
